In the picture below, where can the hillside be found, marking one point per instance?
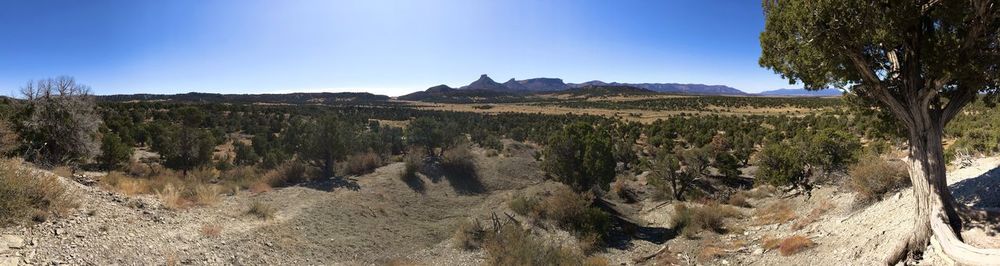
(604, 91)
(802, 93)
(696, 89)
(445, 94)
(288, 98)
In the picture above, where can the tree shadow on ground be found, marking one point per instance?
(462, 176)
(627, 229)
(414, 181)
(982, 195)
(332, 184)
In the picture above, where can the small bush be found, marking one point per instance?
(172, 198)
(413, 163)
(761, 191)
(204, 195)
(211, 230)
(709, 217)
(516, 246)
(524, 205)
(776, 213)
(288, 173)
(362, 163)
(26, 194)
(242, 176)
(739, 199)
(873, 177)
(572, 211)
(469, 235)
(794, 244)
(769, 242)
(458, 159)
(261, 210)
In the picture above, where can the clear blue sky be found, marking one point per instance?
(387, 47)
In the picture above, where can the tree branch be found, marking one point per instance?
(879, 91)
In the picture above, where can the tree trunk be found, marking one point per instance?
(926, 167)
(328, 167)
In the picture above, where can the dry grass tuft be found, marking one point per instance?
(362, 163)
(739, 199)
(172, 198)
(776, 213)
(204, 195)
(710, 253)
(761, 191)
(260, 187)
(873, 177)
(814, 215)
(708, 217)
(769, 242)
(469, 235)
(27, 194)
(211, 230)
(291, 172)
(794, 244)
(516, 246)
(596, 261)
(261, 210)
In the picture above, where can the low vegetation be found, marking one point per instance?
(779, 212)
(261, 210)
(569, 210)
(710, 217)
(874, 177)
(27, 194)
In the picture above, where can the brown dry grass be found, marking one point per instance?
(27, 194)
(262, 210)
(794, 244)
(469, 235)
(291, 172)
(874, 177)
(260, 187)
(710, 253)
(823, 207)
(707, 217)
(359, 164)
(739, 199)
(769, 242)
(775, 213)
(211, 230)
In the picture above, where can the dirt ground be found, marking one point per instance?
(380, 219)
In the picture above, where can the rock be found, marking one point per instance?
(59, 231)
(758, 251)
(11, 241)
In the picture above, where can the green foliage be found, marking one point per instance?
(185, 148)
(581, 157)
(780, 164)
(329, 140)
(245, 154)
(58, 122)
(431, 134)
(114, 153)
(831, 150)
(667, 177)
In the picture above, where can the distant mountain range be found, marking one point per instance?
(554, 84)
(802, 93)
